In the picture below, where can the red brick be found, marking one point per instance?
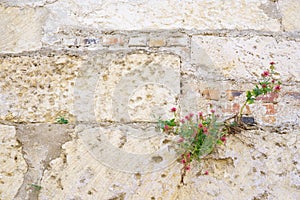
(113, 40)
(269, 119)
(269, 98)
(235, 108)
(270, 109)
(211, 94)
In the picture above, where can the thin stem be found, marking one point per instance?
(241, 111)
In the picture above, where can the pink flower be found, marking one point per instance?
(277, 88)
(166, 128)
(187, 168)
(223, 139)
(265, 73)
(173, 109)
(187, 117)
(200, 114)
(273, 81)
(188, 155)
(182, 121)
(264, 86)
(206, 172)
(212, 111)
(191, 115)
(205, 130)
(180, 139)
(183, 161)
(272, 63)
(200, 125)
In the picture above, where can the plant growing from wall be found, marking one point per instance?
(62, 120)
(199, 134)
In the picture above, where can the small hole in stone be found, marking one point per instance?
(137, 175)
(157, 159)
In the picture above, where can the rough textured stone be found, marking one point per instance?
(37, 88)
(40, 144)
(12, 164)
(247, 160)
(178, 41)
(198, 93)
(167, 14)
(112, 68)
(21, 28)
(137, 87)
(245, 57)
(137, 41)
(290, 14)
(157, 42)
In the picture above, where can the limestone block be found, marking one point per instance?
(134, 87)
(82, 173)
(137, 41)
(30, 3)
(166, 14)
(41, 143)
(244, 167)
(12, 164)
(290, 14)
(21, 28)
(37, 88)
(245, 58)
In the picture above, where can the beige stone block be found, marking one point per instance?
(21, 28)
(37, 88)
(41, 143)
(167, 14)
(136, 87)
(157, 42)
(12, 164)
(252, 162)
(245, 58)
(290, 14)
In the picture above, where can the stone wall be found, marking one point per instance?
(112, 68)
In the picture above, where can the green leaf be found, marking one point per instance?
(249, 95)
(250, 101)
(220, 142)
(36, 187)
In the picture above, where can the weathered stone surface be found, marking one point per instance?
(137, 87)
(251, 165)
(277, 109)
(290, 14)
(41, 143)
(12, 164)
(21, 28)
(167, 14)
(29, 3)
(37, 88)
(114, 67)
(137, 41)
(79, 173)
(245, 57)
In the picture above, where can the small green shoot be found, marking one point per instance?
(62, 120)
(36, 187)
